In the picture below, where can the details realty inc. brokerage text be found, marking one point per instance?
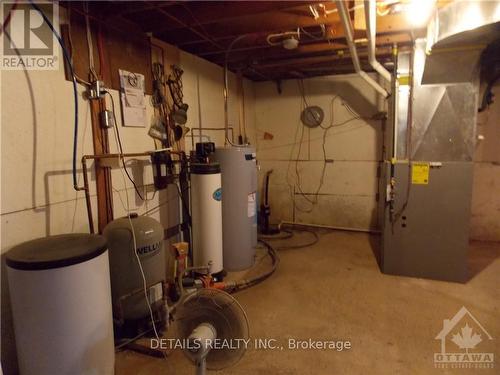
(258, 343)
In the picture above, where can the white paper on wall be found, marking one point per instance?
(132, 98)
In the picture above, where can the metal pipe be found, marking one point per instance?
(86, 188)
(346, 23)
(371, 33)
(87, 195)
(225, 92)
(199, 104)
(231, 128)
(284, 222)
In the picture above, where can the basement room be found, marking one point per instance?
(250, 187)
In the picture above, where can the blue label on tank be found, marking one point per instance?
(217, 194)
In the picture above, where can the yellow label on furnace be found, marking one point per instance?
(420, 173)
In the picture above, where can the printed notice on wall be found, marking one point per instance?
(132, 98)
(420, 173)
(252, 204)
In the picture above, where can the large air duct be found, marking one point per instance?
(456, 36)
(346, 23)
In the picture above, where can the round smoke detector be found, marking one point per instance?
(312, 116)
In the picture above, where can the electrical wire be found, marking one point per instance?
(134, 239)
(70, 40)
(304, 105)
(90, 46)
(75, 91)
(315, 37)
(100, 50)
(184, 205)
(298, 185)
(6, 21)
(120, 148)
(409, 126)
(161, 204)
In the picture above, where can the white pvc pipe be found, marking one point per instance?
(293, 223)
(346, 23)
(371, 32)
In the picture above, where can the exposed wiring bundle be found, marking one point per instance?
(75, 91)
(296, 187)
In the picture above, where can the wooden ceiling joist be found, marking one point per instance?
(206, 29)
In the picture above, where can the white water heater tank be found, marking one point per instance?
(206, 216)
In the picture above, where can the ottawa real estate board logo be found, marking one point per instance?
(28, 42)
(465, 343)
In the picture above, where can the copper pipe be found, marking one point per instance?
(87, 195)
(86, 188)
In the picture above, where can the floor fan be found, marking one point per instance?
(208, 320)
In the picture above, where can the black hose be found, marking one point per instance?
(266, 189)
(247, 283)
(284, 234)
(289, 234)
(75, 92)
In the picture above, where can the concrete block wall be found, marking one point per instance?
(347, 197)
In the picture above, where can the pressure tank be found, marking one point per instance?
(129, 302)
(61, 303)
(206, 216)
(239, 205)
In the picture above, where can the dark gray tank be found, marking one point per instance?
(239, 205)
(126, 277)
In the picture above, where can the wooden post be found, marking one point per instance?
(102, 174)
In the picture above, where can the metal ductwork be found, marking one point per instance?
(456, 36)
(371, 32)
(347, 25)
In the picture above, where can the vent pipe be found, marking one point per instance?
(346, 23)
(371, 32)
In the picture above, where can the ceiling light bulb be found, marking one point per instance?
(290, 43)
(418, 12)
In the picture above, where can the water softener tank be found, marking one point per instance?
(61, 304)
(126, 279)
(206, 216)
(239, 205)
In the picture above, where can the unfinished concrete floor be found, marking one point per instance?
(334, 290)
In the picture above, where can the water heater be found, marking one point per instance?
(239, 206)
(129, 301)
(206, 216)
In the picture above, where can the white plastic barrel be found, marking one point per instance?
(61, 303)
(206, 216)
